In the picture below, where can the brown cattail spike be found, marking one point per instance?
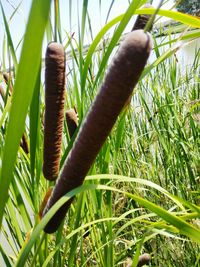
(54, 109)
(72, 121)
(8, 80)
(142, 20)
(24, 144)
(122, 76)
(143, 259)
(2, 92)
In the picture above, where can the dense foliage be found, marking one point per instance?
(190, 7)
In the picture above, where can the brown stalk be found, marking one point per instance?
(44, 202)
(122, 76)
(54, 109)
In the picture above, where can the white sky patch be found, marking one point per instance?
(18, 23)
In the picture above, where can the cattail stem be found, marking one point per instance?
(122, 76)
(54, 109)
(142, 20)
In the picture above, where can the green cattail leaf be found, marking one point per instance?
(175, 15)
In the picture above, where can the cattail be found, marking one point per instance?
(72, 121)
(8, 80)
(24, 144)
(54, 109)
(122, 76)
(44, 202)
(142, 20)
(2, 92)
(143, 259)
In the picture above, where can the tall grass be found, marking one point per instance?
(142, 193)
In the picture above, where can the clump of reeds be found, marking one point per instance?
(54, 109)
(122, 76)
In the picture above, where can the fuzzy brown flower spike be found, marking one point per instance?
(72, 121)
(54, 109)
(143, 260)
(122, 76)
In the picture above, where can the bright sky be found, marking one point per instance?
(18, 21)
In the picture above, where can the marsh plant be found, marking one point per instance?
(109, 172)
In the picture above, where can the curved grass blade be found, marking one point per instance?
(175, 15)
(23, 90)
(179, 223)
(183, 18)
(183, 227)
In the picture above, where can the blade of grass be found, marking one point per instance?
(34, 119)
(175, 15)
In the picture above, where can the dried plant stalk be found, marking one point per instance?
(54, 109)
(44, 202)
(122, 76)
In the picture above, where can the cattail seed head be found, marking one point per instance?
(24, 144)
(122, 76)
(72, 121)
(54, 109)
(143, 259)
